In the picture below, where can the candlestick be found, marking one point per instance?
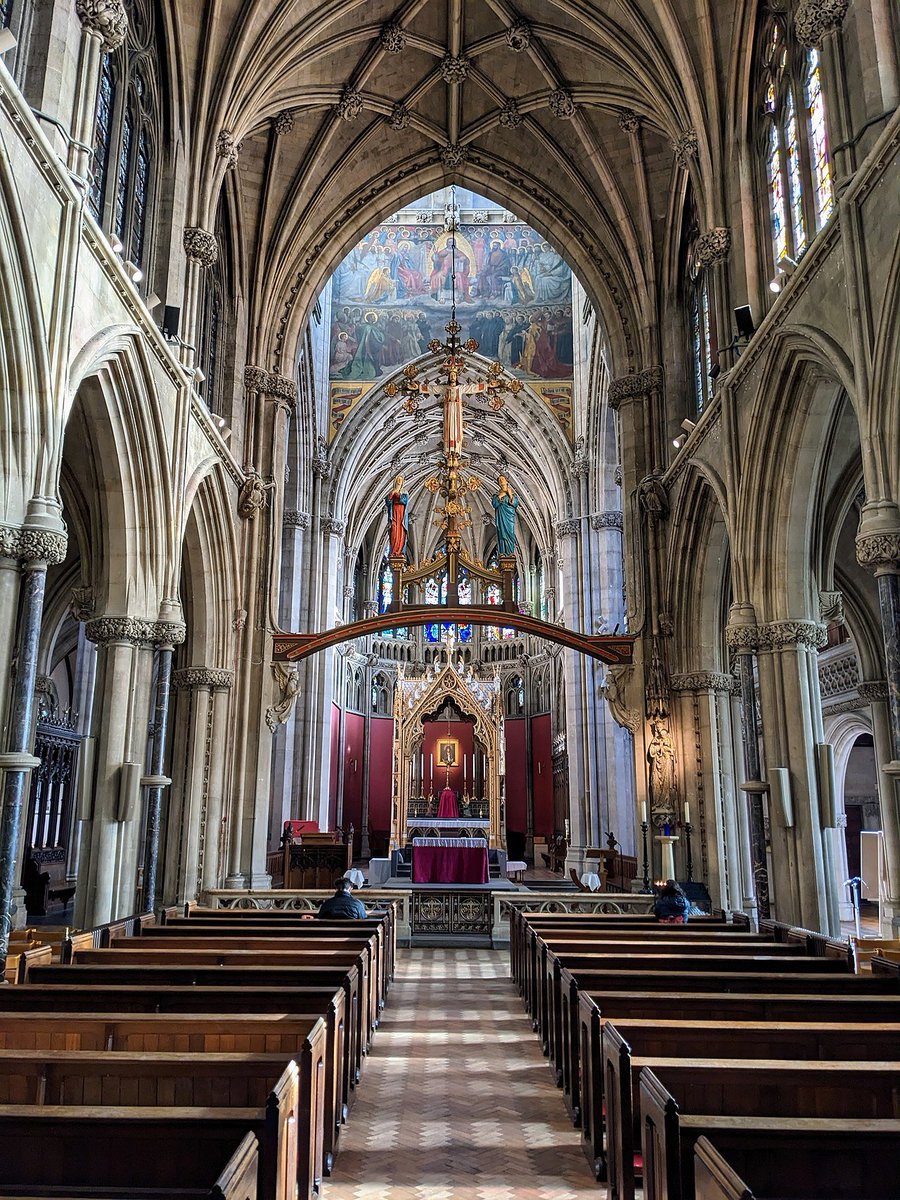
(687, 813)
(644, 812)
(647, 890)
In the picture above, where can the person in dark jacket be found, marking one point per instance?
(342, 905)
(672, 905)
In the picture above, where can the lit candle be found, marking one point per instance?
(687, 813)
(643, 812)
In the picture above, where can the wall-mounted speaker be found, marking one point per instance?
(171, 321)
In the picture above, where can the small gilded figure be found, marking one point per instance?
(396, 503)
(505, 505)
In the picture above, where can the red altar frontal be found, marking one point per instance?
(450, 860)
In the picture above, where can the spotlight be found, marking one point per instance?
(220, 421)
(688, 426)
(133, 270)
(775, 285)
(679, 441)
(153, 301)
(787, 265)
(198, 375)
(117, 246)
(7, 40)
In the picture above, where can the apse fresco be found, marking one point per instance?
(392, 295)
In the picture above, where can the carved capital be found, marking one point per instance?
(878, 551)
(25, 544)
(282, 387)
(255, 379)
(635, 386)
(713, 247)
(200, 246)
(567, 528)
(562, 105)
(331, 527)
(166, 633)
(103, 630)
(284, 122)
(295, 519)
(202, 677)
(510, 115)
(685, 148)
(629, 121)
(814, 18)
(607, 520)
(742, 638)
(705, 681)
(393, 37)
(455, 68)
(778, 634)
(106, 18)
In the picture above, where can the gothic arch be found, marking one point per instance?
(210, 575)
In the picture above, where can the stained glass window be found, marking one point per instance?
(5, 12)
(792, 150)
(139, 203)
(701, 341)
(821, 164)
(464, 588)
(102, 135)
(431, 591)
(385, 587)
(122, 176)
(776, 195)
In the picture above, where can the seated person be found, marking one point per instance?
(671, 906)
(342, 906)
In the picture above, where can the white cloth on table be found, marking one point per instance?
(592, 880)
(355, 876)
(464, 843)
(514, 868)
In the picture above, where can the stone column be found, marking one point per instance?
(10, 578)
(878, 550)
(213, 832)
(705, 722)
(803, 885)
(111, 831)
(711, 257)
(166, 634)
(196, 812)
(742, 638)
(104, 24)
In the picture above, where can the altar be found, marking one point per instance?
(450, 860)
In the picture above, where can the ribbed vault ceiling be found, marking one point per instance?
(322, 118)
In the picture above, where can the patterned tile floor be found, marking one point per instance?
(456, 1100)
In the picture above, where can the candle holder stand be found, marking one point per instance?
(688, 830)
(646, 890)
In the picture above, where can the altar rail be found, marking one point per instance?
(402, 899)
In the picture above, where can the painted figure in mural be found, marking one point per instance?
(366, 362)
(396, 503)
(441, 267)
(380, 286)
(495, 273)
(505, 505)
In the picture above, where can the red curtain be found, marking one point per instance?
(436, 731)
(381, 742)
(542, 775)
(335, 762)
(354, 740)
(516, 778)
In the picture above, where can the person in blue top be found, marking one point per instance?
(342, 906)
(672, 905)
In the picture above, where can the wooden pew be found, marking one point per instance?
(232, 952)
(96, 1147)
(195, 1000)
(670, 1130)
(855, 1161)
(699, 972)
(249, 980)
(615, 1039)
(159, 1080)
(733, 1087)
(203, 1033)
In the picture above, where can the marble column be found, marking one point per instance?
(17, 761)
(156, 781)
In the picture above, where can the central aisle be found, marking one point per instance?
(456, 1099)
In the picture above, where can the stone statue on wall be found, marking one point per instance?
(254, 495)
(288, 678)
(661, 757)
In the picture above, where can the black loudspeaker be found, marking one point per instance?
(743, 318)
(171, 319)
